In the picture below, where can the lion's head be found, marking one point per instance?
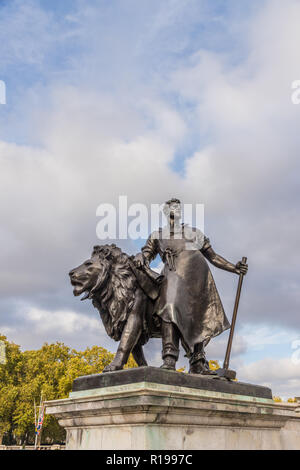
(107, 279)
(92, 274)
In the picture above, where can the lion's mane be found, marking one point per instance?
(115, 298)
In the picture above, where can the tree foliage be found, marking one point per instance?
(49, 372)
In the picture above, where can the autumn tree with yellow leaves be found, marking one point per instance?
(49, 372)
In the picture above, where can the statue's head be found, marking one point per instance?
(172, 209)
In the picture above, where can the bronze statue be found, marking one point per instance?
(136, 304)
(188, 305)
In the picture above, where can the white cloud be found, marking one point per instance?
(33, 326)
(63, 320)
(280, 374)
(257, 337)
(52, 194)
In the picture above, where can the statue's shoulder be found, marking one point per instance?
(196, 235)
(196, 230)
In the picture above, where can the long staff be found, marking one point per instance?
(225, 371)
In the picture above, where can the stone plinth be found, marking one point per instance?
(150, 408)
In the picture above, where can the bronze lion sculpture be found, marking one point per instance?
(124, 297)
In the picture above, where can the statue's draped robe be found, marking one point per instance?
(188, 294)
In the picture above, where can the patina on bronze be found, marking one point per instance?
(135, 303)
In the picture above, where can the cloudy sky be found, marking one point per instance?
(152, 99)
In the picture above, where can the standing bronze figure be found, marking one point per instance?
(188, 306)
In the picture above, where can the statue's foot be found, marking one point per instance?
(112, 367)
(169, 363)
(201, 367)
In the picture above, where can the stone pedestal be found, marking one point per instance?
(150, 408)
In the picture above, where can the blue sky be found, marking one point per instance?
(66, 41)
(153, 100)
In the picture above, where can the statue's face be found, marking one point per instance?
(173, 209)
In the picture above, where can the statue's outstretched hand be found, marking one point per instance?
(139, 260)
(241, 268)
